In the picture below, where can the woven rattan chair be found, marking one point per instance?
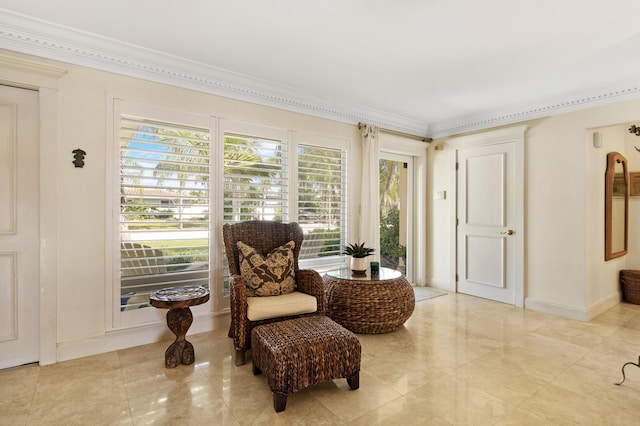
(263, 236)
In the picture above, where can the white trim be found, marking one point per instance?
(514, 134)
(141, 335)
(32, 36)
(577, 314)
(519, 114)
(418, 151)
(29, 74)
(33, 75)
(116, 107)
(555, 309)
(36, 37)
(48, 226)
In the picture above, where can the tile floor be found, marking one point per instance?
(458, 360)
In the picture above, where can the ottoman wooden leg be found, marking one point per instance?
(256, 370)
(279, 401)
(354, 381)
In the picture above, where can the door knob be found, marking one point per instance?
(508, 232)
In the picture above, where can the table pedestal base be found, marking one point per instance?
(181, 351)
(179, 319)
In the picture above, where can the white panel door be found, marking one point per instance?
(486, 222)
(19, 227)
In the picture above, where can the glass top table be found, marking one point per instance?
(369, 304)
(346, 274)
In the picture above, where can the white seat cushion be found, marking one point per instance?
(296, 303)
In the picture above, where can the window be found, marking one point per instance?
(164, 207)
(321, 200)
(166, 199)
(269, 176)
(255, 179)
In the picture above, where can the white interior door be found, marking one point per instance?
(19, 227)
(486, 218)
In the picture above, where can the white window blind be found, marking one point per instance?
(164, 208)
(321, 200)
(255, 179)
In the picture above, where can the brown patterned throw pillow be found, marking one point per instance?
(267, 277)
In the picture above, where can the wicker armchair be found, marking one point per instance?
(263, 236)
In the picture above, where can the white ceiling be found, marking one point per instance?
(426, 67)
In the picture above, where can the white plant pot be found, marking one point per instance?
(359, 265)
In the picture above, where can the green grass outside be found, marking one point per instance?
(176, 253)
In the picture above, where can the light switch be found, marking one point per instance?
(440, 195)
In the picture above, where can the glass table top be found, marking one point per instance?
(345, 274)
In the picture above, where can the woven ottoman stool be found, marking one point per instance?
(301, 352)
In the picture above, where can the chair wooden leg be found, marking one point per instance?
(279, 401)
(240, 357)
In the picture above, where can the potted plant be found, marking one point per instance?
(358, 252)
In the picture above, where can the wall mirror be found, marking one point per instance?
(616, 206)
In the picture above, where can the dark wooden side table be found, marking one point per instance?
(179, 319)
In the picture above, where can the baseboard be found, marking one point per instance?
(604, 304)
(441, 285)
(587, 314)
(137, 336)
(555, 309)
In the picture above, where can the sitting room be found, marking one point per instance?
(339, 213)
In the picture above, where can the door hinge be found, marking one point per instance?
(456, 277)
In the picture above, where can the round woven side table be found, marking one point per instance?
(369, 304)
(179, 319)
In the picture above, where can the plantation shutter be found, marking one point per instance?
(164, 208)
(321, 200)
(255, 179)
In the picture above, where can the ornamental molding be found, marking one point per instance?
(493, 119)
(31, 36)
(35, 37)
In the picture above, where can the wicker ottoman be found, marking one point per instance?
(298, 353)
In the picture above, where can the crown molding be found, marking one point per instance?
(36, 37)
(32, 36)
(490, 119)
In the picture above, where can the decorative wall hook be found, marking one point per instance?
(78, 157)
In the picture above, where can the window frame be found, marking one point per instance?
(323, 264)
(293, 139)
(218, 303)
(390, 145)
(117, 319)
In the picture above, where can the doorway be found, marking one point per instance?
(490, 215)
(396, 198)
(19, 227)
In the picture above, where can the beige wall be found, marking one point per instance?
(565, 271)
(83, 97)
(76, 268)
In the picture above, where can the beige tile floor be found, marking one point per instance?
(458, 360)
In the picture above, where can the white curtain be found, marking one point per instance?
(370, 189)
